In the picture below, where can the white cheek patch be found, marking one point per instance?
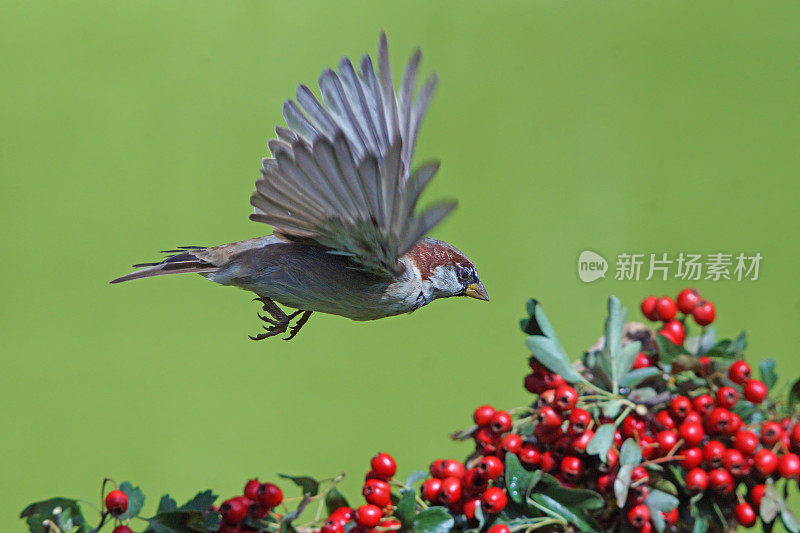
(445, 282)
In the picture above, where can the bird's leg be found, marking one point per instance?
(294, 330)
(277, 324)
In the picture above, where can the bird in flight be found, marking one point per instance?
(341, 197)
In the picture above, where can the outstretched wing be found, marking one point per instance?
(340, 174)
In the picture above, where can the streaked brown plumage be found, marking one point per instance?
(341, 197)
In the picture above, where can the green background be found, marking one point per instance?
(131, 127)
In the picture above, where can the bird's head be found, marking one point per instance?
(446, 271)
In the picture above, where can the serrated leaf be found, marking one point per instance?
(335, 499)
(201, 501)
(405, 507)
(563, 511)
(135, 500)
(635, 377)
(767, 370)
(622, 483)
(207, 522)
(433, 520)
(68, 515)
(517, 478)
(307, 483)
(602, 441)
(166, 504)
(630, 453)
(548, 352)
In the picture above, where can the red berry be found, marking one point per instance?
(794, 437)
(734, 462)
(534, 383)
(473, 483)
(739, 372)
(116, 502)
(718, 420)
(368, 515)
(666, 440)
(605, 482)
(470, 508)
(436, 468)
(680, 406)
(765, 462)
(639, 473)
(734, 425)
(755, 391)
(384, 465)
(665, 420)
(692, 433)
(377, 492)
(499, 528)
(483, 415)
(572, 467)
(642, 361)
(548, 417)
(692, 458)
(547, 462)
(646, 528)
(494, 500)
(696, 480)
(755, 494)
(229, 528)
(726, 397)
(703, 404)
(666, 309)
(693, 417)
(529, 455)
(648, 446)
(251, 489)
(500, 422)
(486, 440)
(269, 495)
(430, 489)
(745, 514)
(579, 421)
(687, 300)
(649, 308)
(632, 426)
(452, 468)
(233, 511)
(638, 515)
(122, 529)
(491, 467)
(259, 511)
(580, 442)
(332, 525)
(771, 433)
(566, 397)
(674, 331)
(671, 516)
(789, 466)
(450, 491)
(746, 442)
(713, 452)
(511, 442)
(704, 313)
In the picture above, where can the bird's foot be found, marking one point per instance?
(278, 321)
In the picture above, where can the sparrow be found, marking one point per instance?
(341, 197)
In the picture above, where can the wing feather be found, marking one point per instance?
(340, 173)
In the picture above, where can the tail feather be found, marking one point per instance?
(181, 263)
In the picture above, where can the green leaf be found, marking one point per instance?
(335, 499)
(573, 498)
(611, 408)
(630, 453)
(627, 356)
(537, 323)
(64, 512)
(635, 377)
(770, 504)
(433, 520)
(642, 394)
(661, 501)
(135, 500)
(166, 504)
(668, 350)
(768, 375)
(622, 484)
(740, 343)
(794, 395)
(201, 501)
(208, 522)
(700, 525)
(602, 441)
(415, 476)
(612, 347)
(563, 511)
(517, 478)
(308, 484)
(548, 352)
(405, 507)
(789, 520)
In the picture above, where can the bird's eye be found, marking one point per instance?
(464, 273)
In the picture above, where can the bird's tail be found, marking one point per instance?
(182, 261)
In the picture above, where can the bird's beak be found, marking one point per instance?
(476, 290)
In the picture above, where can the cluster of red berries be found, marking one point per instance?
(376, 513)
(665, 310)
(257, 501)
